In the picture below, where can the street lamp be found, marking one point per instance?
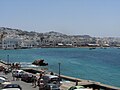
(8, 59)
(59, 72)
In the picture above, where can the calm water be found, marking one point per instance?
(102, 65)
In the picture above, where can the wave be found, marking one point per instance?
(27, 64)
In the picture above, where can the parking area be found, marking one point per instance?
(24, 85)
(28, 86)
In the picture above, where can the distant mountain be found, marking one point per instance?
(20, 32)
(53, 33)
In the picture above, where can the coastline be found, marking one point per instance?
(64, 47)
(80, 67)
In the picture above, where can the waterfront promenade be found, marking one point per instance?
(28, 86)
(65, 84)
(68, 81)
(24, 85)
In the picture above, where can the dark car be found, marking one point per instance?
(52, 87)
(27, 78)
(11, 86)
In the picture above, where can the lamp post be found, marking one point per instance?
(59, 72)
(8, 60)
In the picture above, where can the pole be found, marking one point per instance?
(8, 59)
(59, 72)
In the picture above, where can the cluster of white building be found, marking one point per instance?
(20, 42)
(16, 43)
(12, 40)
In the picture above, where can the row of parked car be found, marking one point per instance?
(50, 81)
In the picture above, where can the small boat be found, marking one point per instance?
(40, 62)
(118, 47)
(92, 48)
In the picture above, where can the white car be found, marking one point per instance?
(84, 89)
(4, 81)
(12, 87)
(79, 88)
(17, 73)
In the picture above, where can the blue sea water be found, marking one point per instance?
(102, 65)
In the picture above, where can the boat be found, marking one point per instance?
(92, 48)
(118, 47)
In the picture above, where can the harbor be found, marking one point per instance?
(75, 62)
(60, 45)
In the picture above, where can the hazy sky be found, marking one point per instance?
(78, 17)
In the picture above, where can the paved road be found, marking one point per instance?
(28, 86)
(24, 85)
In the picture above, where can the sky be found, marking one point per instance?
(99, 18)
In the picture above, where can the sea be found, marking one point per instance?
(101, 65)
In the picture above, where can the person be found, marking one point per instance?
(51, 73)
(17, 77)
(41, 85)
(13, 75)
(40, 77)
(34, 81)
(76, 83)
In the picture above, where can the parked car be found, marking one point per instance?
(27, 77)
(50, 78)
(12, 87)
(3, 76)
(78, 88)
(17, 73)
(4, 81)
(52, 87)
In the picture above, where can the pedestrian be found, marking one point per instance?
(13, 75)
(40, 75)
(34, 81)
(17, 77)
(76, 83)
(51, 73)
(41, 85)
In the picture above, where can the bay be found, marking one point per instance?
(102, 65)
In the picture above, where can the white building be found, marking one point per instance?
(28, 44)
(10, 43)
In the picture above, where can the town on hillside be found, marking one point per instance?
(19, 39)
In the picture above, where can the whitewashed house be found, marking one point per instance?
(28, 44)
(10, 43)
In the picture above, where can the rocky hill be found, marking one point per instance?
(10, 31)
